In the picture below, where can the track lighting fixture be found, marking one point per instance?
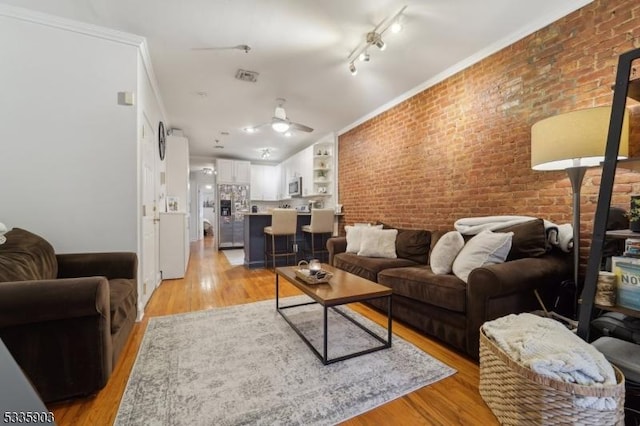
(374, 38)
(207, 170)
(352, 68)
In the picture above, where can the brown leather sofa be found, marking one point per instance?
(446, 307)
(65, 318)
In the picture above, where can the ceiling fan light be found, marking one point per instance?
(352, 68)
(280, 126)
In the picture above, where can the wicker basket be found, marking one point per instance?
(517, 395)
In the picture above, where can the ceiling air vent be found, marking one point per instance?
(244, 75)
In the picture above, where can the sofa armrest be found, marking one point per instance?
(336, 245)
(59, 332)
(497, 290)
(28, 302)
(111, 265)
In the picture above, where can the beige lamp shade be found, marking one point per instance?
(574, 139)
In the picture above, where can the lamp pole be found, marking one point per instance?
(576, 176)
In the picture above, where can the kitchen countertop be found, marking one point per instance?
(299, 214)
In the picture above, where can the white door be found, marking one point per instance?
(150, 217)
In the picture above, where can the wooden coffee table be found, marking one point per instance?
(343, 288)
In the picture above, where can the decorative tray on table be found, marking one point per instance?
(321, 277)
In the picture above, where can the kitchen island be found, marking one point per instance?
(254, 224)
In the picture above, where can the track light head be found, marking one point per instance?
(364, 57)
(352, 68)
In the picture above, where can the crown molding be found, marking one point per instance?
(40, 18)
(91, 30)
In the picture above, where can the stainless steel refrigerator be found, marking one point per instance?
(234, 203)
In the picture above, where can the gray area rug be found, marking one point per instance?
(244, 365)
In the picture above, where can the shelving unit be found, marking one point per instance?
(323, 168)
(623, 89)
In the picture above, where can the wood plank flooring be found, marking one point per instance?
(211, 282)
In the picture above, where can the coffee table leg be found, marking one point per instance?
(277, 291)
(326, 355)
(389, 320)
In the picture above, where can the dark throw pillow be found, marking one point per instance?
(529, 239)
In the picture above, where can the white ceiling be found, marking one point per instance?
(300, 49)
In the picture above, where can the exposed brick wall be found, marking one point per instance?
(462, 147)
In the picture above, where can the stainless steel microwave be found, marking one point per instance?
(295, 187)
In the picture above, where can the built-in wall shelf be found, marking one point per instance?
(323, 169)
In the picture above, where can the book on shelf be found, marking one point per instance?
(627, 272)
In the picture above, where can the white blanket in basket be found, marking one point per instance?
(548, 348)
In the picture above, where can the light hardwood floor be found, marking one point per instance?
(211, 282)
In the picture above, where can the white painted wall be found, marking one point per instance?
(68, 151)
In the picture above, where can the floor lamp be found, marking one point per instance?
(573, 142)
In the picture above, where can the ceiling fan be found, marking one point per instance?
(244, 47)
(281, 123)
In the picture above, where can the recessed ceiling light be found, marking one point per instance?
(202, 94)
(288, 134)
(250, 129)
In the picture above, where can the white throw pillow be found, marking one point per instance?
(378, 243)
(354, 236)
(484, 249)
(445, 252)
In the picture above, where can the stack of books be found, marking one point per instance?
(632, 247)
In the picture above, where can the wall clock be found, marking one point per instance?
(162, 143)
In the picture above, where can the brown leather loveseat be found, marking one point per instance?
(446, 307)
(65, 318)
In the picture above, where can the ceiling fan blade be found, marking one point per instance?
(244, 47)
(301, 127)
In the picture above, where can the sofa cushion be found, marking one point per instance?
(412, 244)
(354, 236)
(445, 252)
(529, 239)
(420, 283)
(379, 243)
(367, 267)
(26, 256)
(122, 297)
(485, 248)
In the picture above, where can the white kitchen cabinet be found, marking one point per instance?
(285, 176)
(233, 171)
(265, 182)
(306, 171)
(174, 244)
